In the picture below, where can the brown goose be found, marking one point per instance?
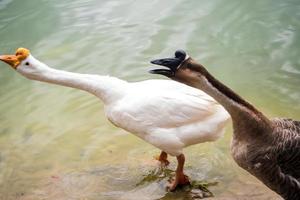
(267, 148)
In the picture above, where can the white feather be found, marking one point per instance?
(168, 114)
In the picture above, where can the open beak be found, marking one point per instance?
(170, 63)
(12, 60)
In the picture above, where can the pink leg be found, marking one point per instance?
(180, 177)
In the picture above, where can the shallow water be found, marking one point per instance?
(55, 142)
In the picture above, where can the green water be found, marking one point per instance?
(55, 142)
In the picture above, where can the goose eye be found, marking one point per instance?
(27, 63)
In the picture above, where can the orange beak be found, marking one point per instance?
(12, 60)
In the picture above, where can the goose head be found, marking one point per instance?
(181, 68)
(23, 62)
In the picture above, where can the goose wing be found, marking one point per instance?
(171, 109)
(290, 125)
(280, 169)
(289, 146)
(284, 173)
(167, 104)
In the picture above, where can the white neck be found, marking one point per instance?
(107, 88)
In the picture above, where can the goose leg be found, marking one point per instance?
(180, 177)
(163, 159)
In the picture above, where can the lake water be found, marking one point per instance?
(55, 142)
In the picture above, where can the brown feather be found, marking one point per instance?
(268, 149)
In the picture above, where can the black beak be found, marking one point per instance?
(171, 63)
(165, 72)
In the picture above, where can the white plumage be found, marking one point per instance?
(167, 114)
(164, 113)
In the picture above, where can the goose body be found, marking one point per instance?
(273, 157)
(267, 148)
(169, 115)
(164, 113)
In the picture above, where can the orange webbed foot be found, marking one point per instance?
(179, 180)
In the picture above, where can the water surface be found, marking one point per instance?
(55, 142)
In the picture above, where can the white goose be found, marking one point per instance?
(167, 114)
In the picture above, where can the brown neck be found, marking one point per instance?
(243, 113)
(230, 94)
